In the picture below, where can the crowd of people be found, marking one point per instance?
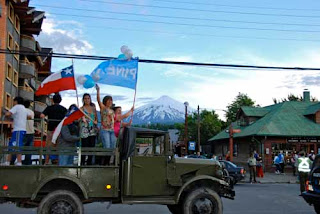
(83, 132)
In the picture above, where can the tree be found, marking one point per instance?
(210, 125)
(292, 97)
(232, 109)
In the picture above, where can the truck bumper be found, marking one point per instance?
(227, 192)
(311, 198)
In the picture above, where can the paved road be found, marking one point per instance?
(250, 199)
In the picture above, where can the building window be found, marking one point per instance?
(11, 13)
(15, 78)
(10, 42)
(17, 23)
(8, 101)
(16, 48)
(9, 71)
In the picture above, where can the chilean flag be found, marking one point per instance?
(59, 81)
(74, 114)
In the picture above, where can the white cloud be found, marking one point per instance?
(64, 37)
(218, 90)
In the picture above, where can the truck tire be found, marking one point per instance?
(175, 208)
(202, 200)
(60, 202)
(317, 208)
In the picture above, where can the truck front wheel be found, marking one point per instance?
(175, 208)
(61, 201)
(202, 200)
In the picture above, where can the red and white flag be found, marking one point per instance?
(74, 114)
(59, 81)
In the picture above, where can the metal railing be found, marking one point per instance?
(41, 151)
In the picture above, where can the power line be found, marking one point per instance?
(192, 25)
(237, 6)
(92, 57)
(207, 35)
(202, 10)
(179, 17)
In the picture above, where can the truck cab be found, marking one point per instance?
(145, 171)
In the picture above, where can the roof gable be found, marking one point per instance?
(283, 119)
(254, 111)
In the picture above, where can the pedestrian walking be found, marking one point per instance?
(55, 114)
(88, 127)
(277, 163)
(281, 162)
(228, 156)
(28, 139)
(252, 163)
(304, 168)
(312, 155)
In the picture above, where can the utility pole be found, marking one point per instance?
(231, 142)
(186, 127)
(198, 128)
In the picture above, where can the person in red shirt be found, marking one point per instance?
(228, 156)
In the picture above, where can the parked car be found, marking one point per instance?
(195, 156)
(312, 193)
(238, 173)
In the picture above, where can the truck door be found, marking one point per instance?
(149, 167)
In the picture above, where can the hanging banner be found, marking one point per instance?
(123, 73)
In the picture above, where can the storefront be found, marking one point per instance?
(286, 127)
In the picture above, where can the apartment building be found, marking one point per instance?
(21, 74)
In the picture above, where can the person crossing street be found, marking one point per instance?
(304, 164)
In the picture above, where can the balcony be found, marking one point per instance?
(27, 70)
(43, 99)
(39, 106)
(26, 93)
(32, 83)
(27, 43)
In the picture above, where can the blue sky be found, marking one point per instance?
(199, 39)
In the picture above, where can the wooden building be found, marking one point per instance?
(288, 126)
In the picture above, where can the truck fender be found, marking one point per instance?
(45, 181)
(198, 178)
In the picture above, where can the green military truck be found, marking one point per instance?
(144, 172)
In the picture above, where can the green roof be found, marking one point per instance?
(254, 111)
(284, 119)
(312, 109)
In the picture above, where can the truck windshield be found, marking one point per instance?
(146, 146)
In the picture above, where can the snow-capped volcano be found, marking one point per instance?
(163, 110)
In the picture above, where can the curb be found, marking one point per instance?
(270, 182)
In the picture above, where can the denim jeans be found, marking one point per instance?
(65, 160)
(28, 141)
(108, 139)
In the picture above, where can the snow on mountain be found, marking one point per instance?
(163, 110)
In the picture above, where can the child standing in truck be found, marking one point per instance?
(118, 119)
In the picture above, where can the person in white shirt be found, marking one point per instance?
(20, 115)
(28, 139)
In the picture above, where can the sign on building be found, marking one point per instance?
(192, 146)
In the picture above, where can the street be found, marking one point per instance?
(250, 198)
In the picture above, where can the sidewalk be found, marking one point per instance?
(274, 178)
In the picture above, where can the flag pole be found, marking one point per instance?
(75, 81)
(135, 92)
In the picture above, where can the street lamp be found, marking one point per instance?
(186, 104)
